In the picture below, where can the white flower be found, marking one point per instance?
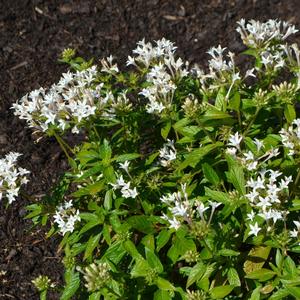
(167, 154)
(66, 216)
(125, 165)
(259, 144)
(254, 229)
(201, 209)
(235, 140)
(231, 151)
(174, 223)
(179, 209)
(11, 177)
(251, 216)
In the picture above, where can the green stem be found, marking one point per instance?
(43, 295)
(62, 145)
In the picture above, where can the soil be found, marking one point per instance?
(32, 35)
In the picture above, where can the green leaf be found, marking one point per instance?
(220, 292)
(105, 151)
(127, 156)
(236, 177)
(256, 258)
(90, 172)
(210, 174)
(162, 239)
(91, 245)
(140, 269)
(221, 100)
(235, 101)
(280, 294)
(115, 253)
(162, 295)
(91, 189)
(165, 130)
(179, 247)
(129, 246)
(196, 273)
(141, 223)
(233, 277)
(217, 196)
(148, 241)
(193, 158)
(294, 291)
(228, 252)
(95, 296)
(255, 294)
(72, 284)
(181, 123)
(153, 261)
(261, 275)
(290, 267)
(289, 113)
(106, 233)
(164, 284)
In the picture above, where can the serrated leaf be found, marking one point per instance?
(91, 245)
(72, 284)
(210, 174)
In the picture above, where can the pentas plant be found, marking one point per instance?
(186, 185)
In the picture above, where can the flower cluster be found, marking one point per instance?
(96, 276)
(124, 187)
(256, 34)
(147, 54)
(249, 159)
(291, 137)
(163, 72)
(64, 105)
(167, 153)
(66, 216)
(182, 209)
(11, 177)
(266, 195)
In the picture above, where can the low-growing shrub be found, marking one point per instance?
(186, 185)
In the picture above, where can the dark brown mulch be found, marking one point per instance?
(32, 35)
